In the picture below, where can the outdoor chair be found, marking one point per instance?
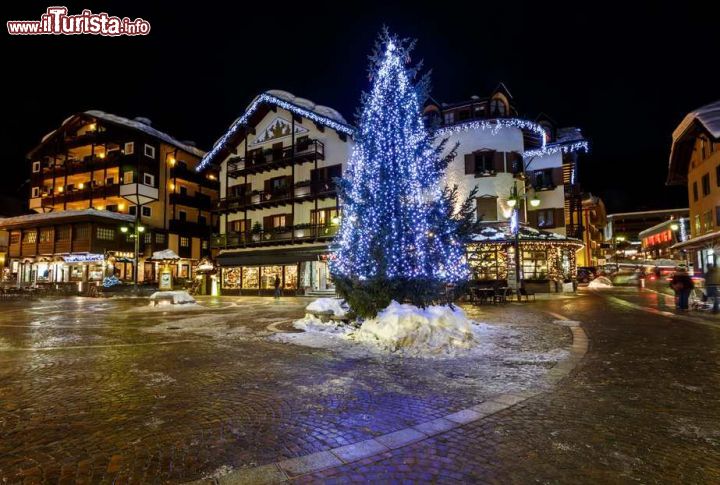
(527, 294)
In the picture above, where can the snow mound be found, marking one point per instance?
(164, 254)
(600, 282)
(335, 305)
(417, 332)
(163, 298)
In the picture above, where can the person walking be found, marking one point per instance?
(712, 285)
(682, 284)
(277, 287)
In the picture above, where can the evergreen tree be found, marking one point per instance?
(398, 238)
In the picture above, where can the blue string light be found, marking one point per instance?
(395, 222)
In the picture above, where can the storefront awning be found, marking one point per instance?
(270, 257)
(706, 240)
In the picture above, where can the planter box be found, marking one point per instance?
(539, 286)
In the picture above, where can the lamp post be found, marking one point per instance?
(513, 203)
(137, 230)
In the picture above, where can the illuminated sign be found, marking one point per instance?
(84, 258)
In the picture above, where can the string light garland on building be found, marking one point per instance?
(395, 223)
(269, 98)
(577, 146)
(494, 126)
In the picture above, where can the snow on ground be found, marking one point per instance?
(335, 305)
(433, 332)
(600, 282)
(418, 332)
(181, 297)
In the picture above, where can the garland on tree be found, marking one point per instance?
(399, 236)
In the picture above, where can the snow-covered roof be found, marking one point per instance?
(707, 117)
(164, 254)
(51, 216)
(500, 231)
(143, 124)
(299, 106)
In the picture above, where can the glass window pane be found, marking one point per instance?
(291, 277)
(267, 277)
(250, 277)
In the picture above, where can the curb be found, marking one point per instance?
(292, 468)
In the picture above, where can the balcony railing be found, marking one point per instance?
(80, 165)
(187, 228)
(271, 159)
(75, 195)
(199, 201)
(279, 235)
(301, 191)
(189, 175)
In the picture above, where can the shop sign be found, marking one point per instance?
(84, 258)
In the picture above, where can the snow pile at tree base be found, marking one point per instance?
(413, 331)
(335, 305)
(600, 282)
(163, 298)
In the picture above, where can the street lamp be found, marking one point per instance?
(512, 202)
(137, 230)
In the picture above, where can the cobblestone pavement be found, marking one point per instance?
(112, 391)
(643, 407)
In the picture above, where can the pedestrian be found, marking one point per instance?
(277, 287)
(712, 285)
(682, 284)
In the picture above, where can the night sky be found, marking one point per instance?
(625, 74)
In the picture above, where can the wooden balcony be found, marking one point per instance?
(300, 192)
(199, 201)
(183, 173)
(86, 164)
(273, 159)
(301, 233)
(75, 195)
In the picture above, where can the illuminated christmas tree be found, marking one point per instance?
(398, 239)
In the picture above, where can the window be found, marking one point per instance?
(149, 151)
(29, 237)
(706, 184)
(485, 162)
(81, 232)
(148, 238)
(62, 233)
(231, 277)
(105, 234)
(240, 226)
(202, 220)
(449, 118)
(46, 235)
(132, 210)
(534, 265)
(543, 179)
(36, 167)
(110, 180)
(486, 265)
(129, 148)
(112, 208)
(708, 221)
(159, 238)
(182, 215)
(15, 238)
(324, 217)
(250, 277)
(204, 245)
(35, 192)
(268, 275)
(149, 179)
(146, 211)
(698, 227)
(695, 191)
(184, 242)
(183, 190)
(546, 218)
(279, 221)
(497, 107)
(486, 209)
(128, 177)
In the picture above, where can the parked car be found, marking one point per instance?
(585, 274)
